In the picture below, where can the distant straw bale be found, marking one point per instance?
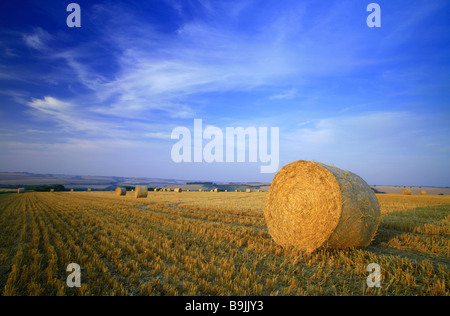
(311, 205)
(21, 190)
(141, 191)
(178, 190)
(407, 191)
(248, 191)
(121, 191)
(423, 192)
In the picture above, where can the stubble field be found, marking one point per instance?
(194, 243)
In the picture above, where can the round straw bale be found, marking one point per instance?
(423, 192)
(141, 191)
(200, 190)
(216, 190)
(248, 190)
(121, 191)
(311, 205)
(71, 190)
(406, 191)
(21, 190)
(52, 190)
(178, 190)
(89, 190)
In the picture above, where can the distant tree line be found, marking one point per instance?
(37, 188)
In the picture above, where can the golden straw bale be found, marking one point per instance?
(21, 190)
(141, 191)
(178, 190)
(311, 205)
(248, 190)
(407, 191)
(121, 191)
(423, 192)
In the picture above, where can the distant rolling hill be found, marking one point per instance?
(12, 180)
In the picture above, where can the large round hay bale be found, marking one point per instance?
(21, 190)
(248, 191)
(311, 205)
(121, 191)
(423, 192)
(407, 191)
(178, 190)
(141, 191)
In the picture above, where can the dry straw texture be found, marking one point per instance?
(311, 205)
(178, 190)
(406, 192)
(216, 190)
(248, 191)
(71, 190)
(423, 192)
(121, 191)
(20, 190)
(141, 191)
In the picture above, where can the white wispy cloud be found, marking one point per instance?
(38, 39)
(285, 95)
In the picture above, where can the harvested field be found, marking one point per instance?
(193, 243)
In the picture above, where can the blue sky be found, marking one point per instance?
(103, 99)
